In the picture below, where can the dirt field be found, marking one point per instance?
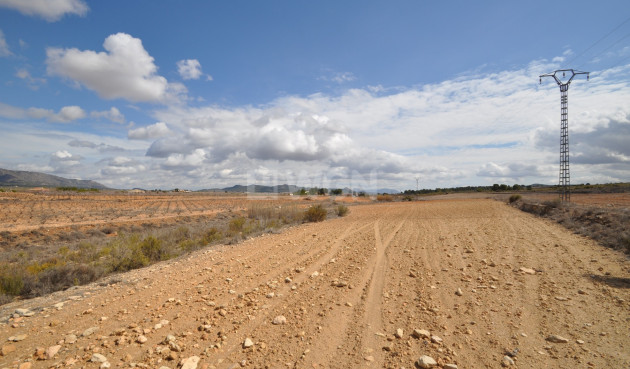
(25, 211)
(486, 280)
(41, 217)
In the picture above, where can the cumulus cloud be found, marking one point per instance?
(68, 114)
(159, 129)
(499, 127)
(101, 147)
(32, 82)
(124, 70)
(4, 47)
(62, 161)
(112, 114)
(65, 115)
(194, 159)
(122, 165)
(605, 143)
(512, 171)
(191, 69)
(50, 10)
(446, 132)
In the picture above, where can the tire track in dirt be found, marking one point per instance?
(383, 267)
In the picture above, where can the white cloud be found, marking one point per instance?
(68, 114)
(62, 155)
(32, 82)
(122, 165)
(4, 47)
(124, 70)
(338, 77)
(65, 115)
(450, 133)
(112, 114)
(194, 159)
(50, 10)
(63, 161)
(343, 77)
(11, 112)
(479, 129)
(159, 129)
(35, 168)
(513, 172)
(191, 69)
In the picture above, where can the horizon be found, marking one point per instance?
(369, 190)
(321, 95)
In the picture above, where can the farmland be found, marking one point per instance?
(467, 281)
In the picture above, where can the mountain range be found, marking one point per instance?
(11, 178)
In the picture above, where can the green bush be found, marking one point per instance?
(126, 254)
(188, 245)
(342, 210)
(236, 225)
(514, 198)
(11, 284)
(152, 248)
(315, 213)
(211, 235)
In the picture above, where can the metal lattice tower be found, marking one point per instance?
(565, 176)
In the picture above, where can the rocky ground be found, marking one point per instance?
(451, 284)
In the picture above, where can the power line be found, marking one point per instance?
(598, 41)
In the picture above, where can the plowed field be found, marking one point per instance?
(483, 278)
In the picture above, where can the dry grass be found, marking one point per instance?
(610, 226)
(315, 213)
(74, 258)
(385, 197)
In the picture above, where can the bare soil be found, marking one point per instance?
(345, 286)
(46, 216)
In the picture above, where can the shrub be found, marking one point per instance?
(188, 245)
(211, 235)
(315, 213)
(384, 197)
(126, 254)
(11, 284)
(342, 210)
(514, 198)
(236, 225)
(61, 277)
(553, 203)
(290, 213)
(152, 248)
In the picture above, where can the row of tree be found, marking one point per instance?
(319, 191)
(495, 187)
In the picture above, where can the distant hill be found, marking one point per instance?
(10, 178)
(287, 189)
(258, 189)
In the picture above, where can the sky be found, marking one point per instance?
(362, 94)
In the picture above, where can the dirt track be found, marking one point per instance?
(345, 286)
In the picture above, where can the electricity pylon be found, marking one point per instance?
(564, 177)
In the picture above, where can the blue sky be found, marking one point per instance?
(163, 94)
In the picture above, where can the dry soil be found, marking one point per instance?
(485, 281)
